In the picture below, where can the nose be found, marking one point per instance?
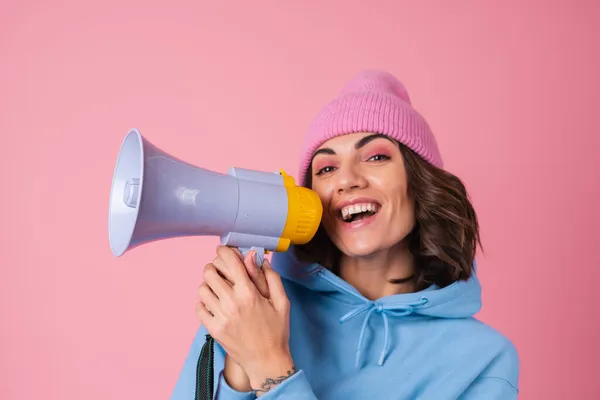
(349, 178)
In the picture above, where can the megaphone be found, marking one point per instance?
(155, 196)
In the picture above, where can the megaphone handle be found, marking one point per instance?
(258, 257)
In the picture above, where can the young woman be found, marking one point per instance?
(380, 304)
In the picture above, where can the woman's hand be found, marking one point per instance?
(235, 376)
(251, 327)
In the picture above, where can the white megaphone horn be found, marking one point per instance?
(156, 196)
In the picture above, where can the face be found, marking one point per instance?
(362, 182)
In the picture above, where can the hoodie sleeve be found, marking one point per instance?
(490, 388)
(295, 387)
(500, 381)
(185, 387)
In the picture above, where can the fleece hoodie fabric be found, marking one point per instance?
(424, 345)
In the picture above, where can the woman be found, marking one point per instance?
(380, 304)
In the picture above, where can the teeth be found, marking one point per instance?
(348, 211)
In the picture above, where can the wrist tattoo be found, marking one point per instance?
(270, 383)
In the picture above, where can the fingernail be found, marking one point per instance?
(252, 255)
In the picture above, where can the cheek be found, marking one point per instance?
(324, 191)
(403, 205)
(406, 216)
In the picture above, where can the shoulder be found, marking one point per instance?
(488, 334)
(503, 356)
(482, 346)
(484, 335)
(297, 292)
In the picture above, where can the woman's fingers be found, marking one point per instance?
(219, 285)
(205, 316)
(276, 288)
(223, 270)
(250, 270)
(256, 274)
(232, 267)
(209, 301)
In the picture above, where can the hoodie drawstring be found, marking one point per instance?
(396, 310)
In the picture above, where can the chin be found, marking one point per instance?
(363, 248)
(369, 243)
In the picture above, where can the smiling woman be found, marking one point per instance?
(393, 198)
(380, 304)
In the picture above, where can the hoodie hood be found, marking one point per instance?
(459, 300)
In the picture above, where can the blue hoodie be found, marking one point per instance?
(423, 345)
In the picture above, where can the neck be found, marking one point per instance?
(374, 275)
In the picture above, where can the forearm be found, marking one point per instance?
(294, 387)
(278, 378)
(235, 376)
(272, 373)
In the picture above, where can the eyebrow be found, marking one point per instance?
(359, 144)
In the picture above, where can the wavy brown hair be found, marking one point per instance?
(444, 239)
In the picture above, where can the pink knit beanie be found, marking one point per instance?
(373, 101)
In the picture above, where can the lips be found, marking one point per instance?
(357, 209)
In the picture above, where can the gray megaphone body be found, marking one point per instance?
(156, 196)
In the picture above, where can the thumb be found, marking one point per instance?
(278, 295)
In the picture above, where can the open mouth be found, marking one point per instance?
(357, 212)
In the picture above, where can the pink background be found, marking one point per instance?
(510, 88)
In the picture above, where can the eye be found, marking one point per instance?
(324, 170)
(379, 157)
